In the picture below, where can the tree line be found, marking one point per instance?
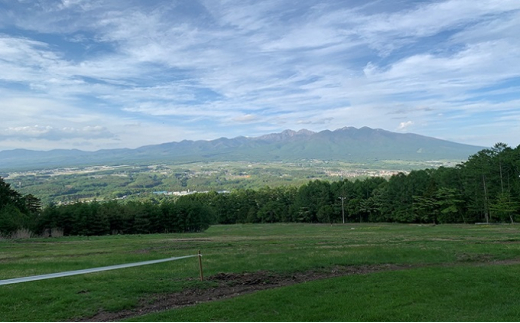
(19, 212)
(485, 188)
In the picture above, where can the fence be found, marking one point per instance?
(98, 269)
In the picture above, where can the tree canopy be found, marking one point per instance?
(16, 211)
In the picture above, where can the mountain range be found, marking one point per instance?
(346, 144)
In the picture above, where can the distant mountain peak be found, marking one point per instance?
(305, 132)
(285, 135)
(346, 144)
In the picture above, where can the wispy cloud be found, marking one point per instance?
(55, 134)
(241, 67)
(247, 118)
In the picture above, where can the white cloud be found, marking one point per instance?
(318, 121)
(404, 125)
(55, 134)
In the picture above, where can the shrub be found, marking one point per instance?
(56, 232)
(22, 234)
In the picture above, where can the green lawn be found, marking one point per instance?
(426, 294)
(451, 288)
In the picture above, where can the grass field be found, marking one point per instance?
(452, 273)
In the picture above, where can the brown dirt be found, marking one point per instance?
(231, 285)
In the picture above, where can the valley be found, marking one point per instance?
(289, 158)
(105, 182)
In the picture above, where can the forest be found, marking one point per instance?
(485, 188)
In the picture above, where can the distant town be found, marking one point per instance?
(122, 182)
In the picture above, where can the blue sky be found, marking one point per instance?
(94, 74)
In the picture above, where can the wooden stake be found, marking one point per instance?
(200, 267)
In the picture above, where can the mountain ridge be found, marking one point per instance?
(347, 143)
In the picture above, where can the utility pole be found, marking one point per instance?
(342, 198)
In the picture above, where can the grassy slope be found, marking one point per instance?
(280, 248)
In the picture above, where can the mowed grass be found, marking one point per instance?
(426, 294)
(452, 250)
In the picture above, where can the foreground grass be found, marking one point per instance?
(426, 294)
(282, 248)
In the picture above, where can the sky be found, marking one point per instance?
(100, 74)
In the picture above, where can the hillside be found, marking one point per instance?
(345, 144)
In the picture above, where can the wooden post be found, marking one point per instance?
(200, 267)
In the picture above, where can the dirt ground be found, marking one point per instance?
(231, 285)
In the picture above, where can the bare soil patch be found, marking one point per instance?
(231, 285)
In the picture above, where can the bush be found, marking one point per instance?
(22, 234)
